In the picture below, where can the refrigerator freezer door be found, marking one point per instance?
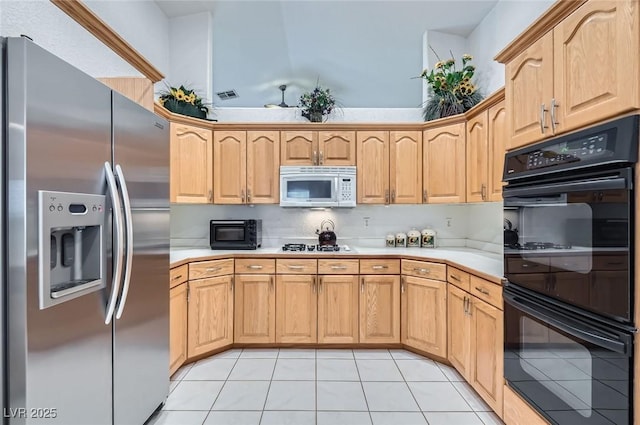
(58, 138)
(141, 334)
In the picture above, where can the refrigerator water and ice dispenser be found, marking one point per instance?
(71, 245)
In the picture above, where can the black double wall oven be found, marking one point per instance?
(568, 299)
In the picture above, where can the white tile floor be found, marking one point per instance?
(323, 387)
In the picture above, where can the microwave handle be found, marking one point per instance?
(571, 327)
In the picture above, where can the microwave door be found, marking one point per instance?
(316, 191)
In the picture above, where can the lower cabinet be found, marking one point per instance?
(296, 308)
(210, 317)
(338, 309)
(379, 309)
(255, 309)
(475, 344)
(177, 327)
(517, 411)
(424, 314)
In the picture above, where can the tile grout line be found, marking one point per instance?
(266, 398)
(362, 384)
(223, 385)
(408, 387)
(465, 400)
(315, 362)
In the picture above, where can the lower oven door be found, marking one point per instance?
(572, 370)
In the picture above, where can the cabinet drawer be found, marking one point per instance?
(534, 265)
(610, 262)
(379, 266)
(338, 267)
(291, 266)
(204, 269)
(255, 266)
(572, 263)
(435, 271)
(487, 291)
(459, 278)
(178, 275)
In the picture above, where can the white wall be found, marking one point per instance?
(477, 226)
(339, 115)
(53, 30)
(504, 22)
(191, 53)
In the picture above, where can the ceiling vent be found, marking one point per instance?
(226, 95)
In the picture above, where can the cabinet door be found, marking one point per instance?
(296, 308)
(424, 314)
(459, 330)
(405, 167)
(444, 164)
(487, 355)
(255, 307)
(298, 147)
(263, 167)
(177, 327)
(379, 309)
(596, 63)
(210, 314)
(497, 148)
(338, 309)
(528, 89)
(477, 154)
(373, 167)
(336, 148)
(229, 167)
(191, 164)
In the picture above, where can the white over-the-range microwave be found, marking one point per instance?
(317, 186)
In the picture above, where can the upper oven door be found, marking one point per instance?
(573, 240)
(308, 190)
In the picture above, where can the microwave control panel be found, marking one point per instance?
(347, 189)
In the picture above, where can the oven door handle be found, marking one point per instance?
(569, 325)
(547, 189)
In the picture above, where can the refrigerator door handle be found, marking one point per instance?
(118, 242)
(129, 238)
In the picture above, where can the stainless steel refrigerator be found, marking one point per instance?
(85, 243)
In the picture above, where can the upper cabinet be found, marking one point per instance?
(581, 71)
(191, 164)
(497, 133)
(389, 167)
(444, 164)
(477, 151)
(334, 148)
(246, 167)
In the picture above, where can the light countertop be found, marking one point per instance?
(485, 264)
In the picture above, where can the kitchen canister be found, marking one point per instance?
(428, 238)
(391, 241)
(401, 240)
(413, 238)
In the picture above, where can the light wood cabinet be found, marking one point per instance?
(338, 297)
(255, 309)
(246, 167)
(210, 314)
(487, 355)
(296, 308)
(518, 412)
(373, 165)
(497, 139)
(405, 167)
(582, 71)
(477, 150)
(332, 148)
(336, 148)
(230, 167)
(424, 314)
(528, 90)
(459, 330)
(444, 164)
(177, 327)
(191, 163)
(379, 309)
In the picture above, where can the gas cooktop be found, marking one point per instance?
(300, 247)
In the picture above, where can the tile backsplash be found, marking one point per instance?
(473, 225)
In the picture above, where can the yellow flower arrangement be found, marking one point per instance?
(183, 101)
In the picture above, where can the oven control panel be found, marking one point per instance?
(571, 151)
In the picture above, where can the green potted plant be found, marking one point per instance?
(451, 91)
(317, 103)
(183, 101)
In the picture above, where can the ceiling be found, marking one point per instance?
(366, 50)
